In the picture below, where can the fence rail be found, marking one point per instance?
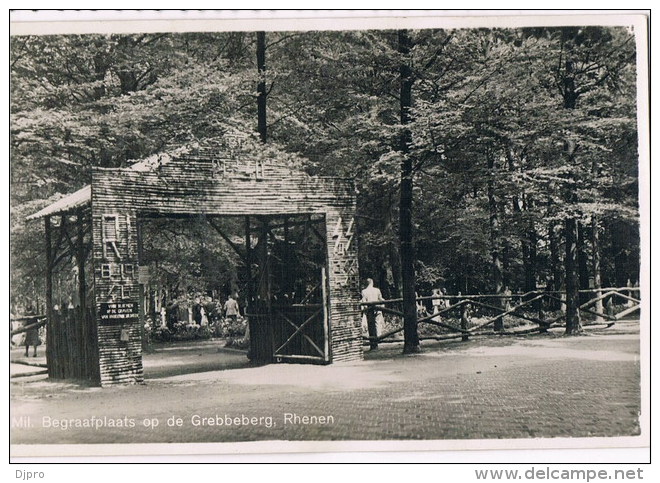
(40, 320)
(463, 316)
(71, 348)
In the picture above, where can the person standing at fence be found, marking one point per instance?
(32, 334)
(507, 298)
(371, 312)
(437, 303)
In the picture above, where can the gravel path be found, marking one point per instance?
(524, 387)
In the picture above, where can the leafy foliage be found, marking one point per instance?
(491, 136)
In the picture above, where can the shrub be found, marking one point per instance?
(180, 332)
(225, 327)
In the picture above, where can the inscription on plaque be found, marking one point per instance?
(118, 312)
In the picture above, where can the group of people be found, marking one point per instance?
(202, 311)
(438, 303)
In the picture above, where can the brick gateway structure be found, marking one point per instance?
(278, 206)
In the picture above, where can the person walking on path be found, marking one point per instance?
(371, 313)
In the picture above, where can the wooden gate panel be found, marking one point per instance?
(299, 332)
(261, 336)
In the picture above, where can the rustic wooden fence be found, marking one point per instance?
(71, 347)
(27, 322)
(465, 316)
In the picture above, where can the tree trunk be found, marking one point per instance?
(261, 330)
(80, 263)
(82, 365)
(532, 266)
(50, 328)
(596, 266)
(498, 284)
(530, 272)
(506, 264)
(516, 206)
(248, 305)
(555, 262)
(573, 325)
(392, 258)
(383, 283)
(261, 86)
(623, 237)
(411, 337)
(583, 265)
(529, 243)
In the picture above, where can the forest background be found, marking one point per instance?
(483, 158)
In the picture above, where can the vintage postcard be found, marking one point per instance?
(242, 232)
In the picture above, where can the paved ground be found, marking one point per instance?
(524, 387)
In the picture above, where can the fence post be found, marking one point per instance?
(53, 348)
(371, 325)
(498, 326)
(465, 320)
(542, 329)
(629, 303)
(598, 308)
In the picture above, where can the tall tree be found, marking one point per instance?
(261, 86)
(480, 96)
(591, 60)
(411, 337)
(498, 279)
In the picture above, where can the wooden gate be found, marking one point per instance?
(289, 309)
(300, 330)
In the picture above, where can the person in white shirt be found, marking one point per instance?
(438, 303)
(372, 318)
(371, 293)
(231, 308)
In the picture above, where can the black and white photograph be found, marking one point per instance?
(384, 232)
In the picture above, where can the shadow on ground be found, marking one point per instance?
(181, 358)
(394, 350)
